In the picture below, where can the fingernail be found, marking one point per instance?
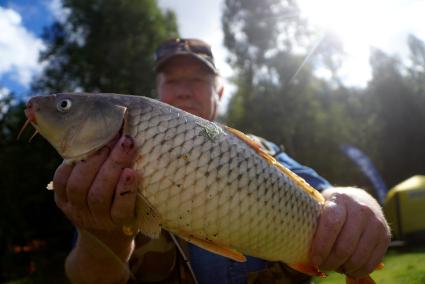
(126, 192)
(127, 142)
(129, 179)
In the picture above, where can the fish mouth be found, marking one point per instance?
(31, 119)
(30, 113)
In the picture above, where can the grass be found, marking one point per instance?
(402, 265)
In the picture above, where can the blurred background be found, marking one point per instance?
(340, 84)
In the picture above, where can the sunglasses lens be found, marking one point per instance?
(173, 46)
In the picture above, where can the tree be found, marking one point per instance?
(416, 70)
(273, 51)
(28, 210)
(102, 45)
(397, 107)
(105, 46)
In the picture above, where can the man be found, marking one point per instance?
(98, 196)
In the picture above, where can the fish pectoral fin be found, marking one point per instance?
(213, 247)
(308, 269)
(125, 126)
(149, 219)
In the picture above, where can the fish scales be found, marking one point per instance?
(259, 223)
(205, 181)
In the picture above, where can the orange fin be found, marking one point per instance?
(213, 247)
(364, 280)
(379, 266)
(307, 269)
(148, 217)
(297, 179)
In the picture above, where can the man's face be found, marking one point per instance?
(188, 84)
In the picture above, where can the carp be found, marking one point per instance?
(209, 184)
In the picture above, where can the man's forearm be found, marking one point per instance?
(99, 259)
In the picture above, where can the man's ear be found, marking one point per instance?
(220, 92)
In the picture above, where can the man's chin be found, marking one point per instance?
(193, 111)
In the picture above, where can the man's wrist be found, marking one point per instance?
(106, 253)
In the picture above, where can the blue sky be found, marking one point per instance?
(360, 23)
(21, 23)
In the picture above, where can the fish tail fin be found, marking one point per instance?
(308, 269)
(364, 280)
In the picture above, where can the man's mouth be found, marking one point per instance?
(188, 108)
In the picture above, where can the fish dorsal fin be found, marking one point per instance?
(210, 246)
(149, 220)
(294, 177)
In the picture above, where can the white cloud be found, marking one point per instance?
(19, 49)
(4, 92)
(57, 10)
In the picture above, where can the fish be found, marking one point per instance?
(205, 182)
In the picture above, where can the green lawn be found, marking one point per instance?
(405, 265)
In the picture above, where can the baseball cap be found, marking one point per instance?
(181, 46)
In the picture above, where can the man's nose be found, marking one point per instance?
(184, 89)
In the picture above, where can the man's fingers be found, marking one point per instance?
(369, 253)
(348, 239)
(103, 187)
(124, 204)
(331, 221)
(81, 178)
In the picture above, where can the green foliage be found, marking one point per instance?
(101, 45)
(106, 46)
(401, 266)
(274, 54)
(397, 107)
(28, 209)
(278, 96)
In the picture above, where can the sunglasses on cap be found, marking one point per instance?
(194, 47)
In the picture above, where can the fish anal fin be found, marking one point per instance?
(297, 179)
(149, 220)
(308, 269)
(213, 247)
(364, 280)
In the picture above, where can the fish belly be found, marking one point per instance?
(207, 183)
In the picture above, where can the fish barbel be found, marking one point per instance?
(207, 183)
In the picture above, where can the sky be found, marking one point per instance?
(360, 24)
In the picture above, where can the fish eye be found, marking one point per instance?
(64, 105)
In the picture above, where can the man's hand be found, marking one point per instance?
(352, 236)
(98, 195)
